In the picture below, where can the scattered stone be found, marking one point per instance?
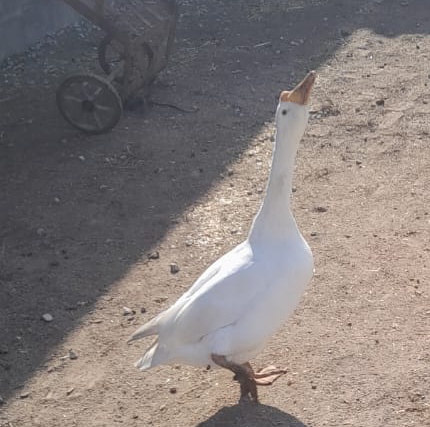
(70, 391)
(154, 255)
(50, 395)
(4, 350)
(1, 400)
(314, 387)
(173, 390)
(320, 209)
(41, 232)
(128, 311)
(314, 233)
(24, 395)
(72, 355)
(344, 33)
(47, 317)
(142, 310)
(174, 268)
(380, 102)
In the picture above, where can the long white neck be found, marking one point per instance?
(275, 220)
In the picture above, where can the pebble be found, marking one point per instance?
(154, 255)
(47, 317)
(127, 311)
(1, 400)
(320, 209)
(174, 268)
(40, 232)
(142, 310)
(173, 390)
(72, 355)
(24, 395)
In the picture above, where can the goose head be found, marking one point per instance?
(292, 113)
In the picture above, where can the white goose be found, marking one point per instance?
(243, 298)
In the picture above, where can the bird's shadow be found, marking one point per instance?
(246, 414)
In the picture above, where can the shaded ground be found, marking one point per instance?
(79, 215)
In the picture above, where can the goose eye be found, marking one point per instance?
(284, 112)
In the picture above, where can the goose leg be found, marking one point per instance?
(244, 374)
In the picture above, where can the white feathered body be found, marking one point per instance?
(237, 304)
(242, 299)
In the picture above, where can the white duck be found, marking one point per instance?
(244, 297)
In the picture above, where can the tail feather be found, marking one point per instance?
(147, 361)
(150, 328)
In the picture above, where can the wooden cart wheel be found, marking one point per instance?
(90, 103)
(111, 56)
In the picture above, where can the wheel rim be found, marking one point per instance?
(89, 103)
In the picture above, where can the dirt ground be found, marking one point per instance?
(79, 216)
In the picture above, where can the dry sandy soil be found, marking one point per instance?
(79, 216)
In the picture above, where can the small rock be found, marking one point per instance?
(1, 400)
(70, 391)
(24, 395)
(72, 355)
(142, 310)
(41, 232)
(127, 311)
(344, 33)
(380, 102)
(321, 209)
(154, 255)
(314, 387)
(173, 390)
(4, 350)
(174, 268)
(47, 317)
(314, 233)
(50, 395)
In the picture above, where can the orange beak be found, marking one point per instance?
(301, 93)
